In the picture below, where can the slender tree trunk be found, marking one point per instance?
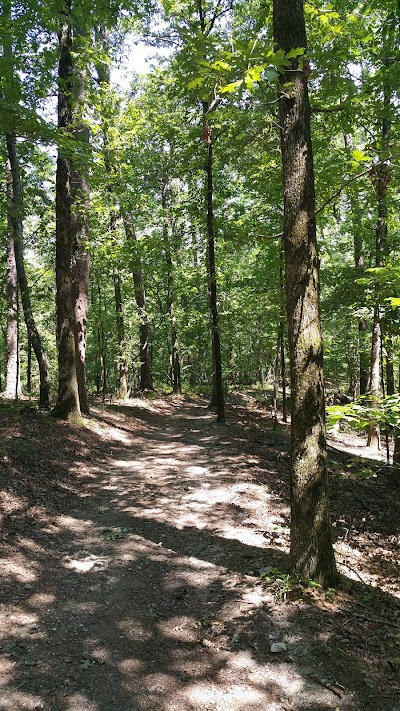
(275, 383)
(396, 453)
(282, 329)
(29, 367)
(380, 178)
(103, 77)
(146, 380)
(101, 341)
(217, 398)
(311, 539)
(175, 359)
(218, 389)
(364, 359)
(17, 230)
(390, 386)
(359, 263)
(122, 367)
(374, 390)
(12, 385)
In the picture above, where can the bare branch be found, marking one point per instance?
(279, 235)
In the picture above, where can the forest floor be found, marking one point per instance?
(133, 550)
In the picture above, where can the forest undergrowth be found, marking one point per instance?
(145, 566)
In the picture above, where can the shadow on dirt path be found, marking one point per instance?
(132, 551)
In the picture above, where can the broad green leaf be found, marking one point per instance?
(359, 155)
(228, 88)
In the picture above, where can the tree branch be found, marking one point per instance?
(351, 180)
(329, 109)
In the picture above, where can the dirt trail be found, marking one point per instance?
(131, 574)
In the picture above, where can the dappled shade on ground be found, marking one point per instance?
(130, 575)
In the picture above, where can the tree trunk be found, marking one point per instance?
(311, 539)
(175, 359)
(122, 367)
(146, 380)
(72, 258)
(359, 263)
(390, 386)
(103, 77)
(12, 388)
(80, 294)
(67, 405)
(396, 453)
(101, 337)
(282, 329)
(80, 228)
(13, 384)
(217, 399)
(364, 359)
(380, 179)
(374, 439)
(29, 367)
(33, 334)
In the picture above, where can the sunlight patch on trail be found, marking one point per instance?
(80, 702)
(21, 570)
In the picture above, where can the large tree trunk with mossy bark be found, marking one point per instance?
(67, 405)
(80, 226)
(311, 539)
(72, 258)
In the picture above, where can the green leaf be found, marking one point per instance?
(359, 155)
(228, 88)
(296, 52)
(195, 83)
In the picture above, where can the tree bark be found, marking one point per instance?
(101, 339)
(374, 439)
(282, 329)
(380, 178)
(103, 77)
(364, 359)
(122, 367)
(311, 539)
(67, 405)
(80, 229)
(359, 264)
(396, 453)
(175, 359)
(218, 398)
(146, 380)
(390, 386)
(17, 231)
(12, 385)
(72, 258)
